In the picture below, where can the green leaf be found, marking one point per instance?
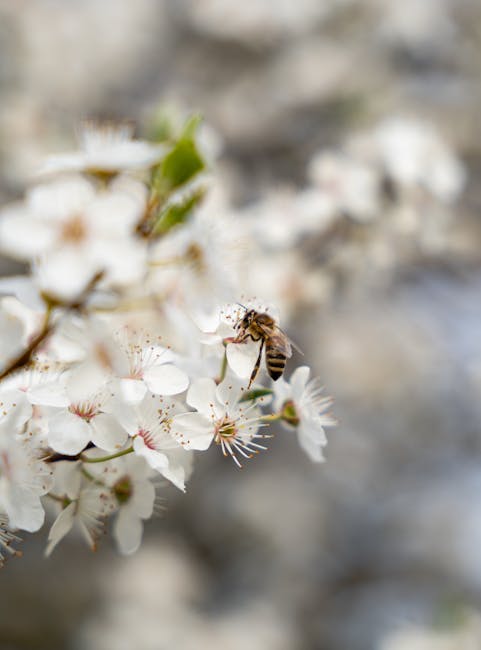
(256, 393)
(176, 213)
(182, 163)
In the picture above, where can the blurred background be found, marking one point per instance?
(349, 131)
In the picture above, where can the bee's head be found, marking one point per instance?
(244, 322)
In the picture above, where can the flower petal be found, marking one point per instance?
(166, 379)
(68, 433)
(193, 431)
(127, 531)
(107, 432)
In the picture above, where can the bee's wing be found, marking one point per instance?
(295, 346)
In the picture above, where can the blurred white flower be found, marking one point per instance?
(352, 186)
(413, 154)
(86, 512)
(105, 148)
(129, 479)
(220, 417)
(72, 231)
(304, 409)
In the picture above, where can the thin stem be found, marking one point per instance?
(26, 356)
(223, 368)
(91, 477)
(104, 459)
(271, 418)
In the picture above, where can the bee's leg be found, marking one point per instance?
(257, 364)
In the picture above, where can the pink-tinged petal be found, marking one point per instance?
(61, 526)
(202, 396)
(242, 357)
(23, 236)
(166, 379)
(298, 381)
(107, 433)
(68, 433)
(24, 508)
(133, 390)
(193, 431)
(156, 459)
(127, 531)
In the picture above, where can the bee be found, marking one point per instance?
(259, 326)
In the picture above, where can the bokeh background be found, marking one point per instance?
(379, 548)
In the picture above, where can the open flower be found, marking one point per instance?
(105, 149)
(84, 417)
(149, 424)
(220, 417)
(148, 367)
(129, 479)
(73, 231)
(304, 409)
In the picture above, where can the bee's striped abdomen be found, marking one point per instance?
(276, 358)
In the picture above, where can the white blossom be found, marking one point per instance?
(73, 231)
(149, 424)
(304, 409)
(107, 148)
(220, 417)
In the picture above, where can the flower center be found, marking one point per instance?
(147, 437)
(195, 255)
(74, 230)
(289, 413)
(225, 430)
(123, 489)
(85, 410)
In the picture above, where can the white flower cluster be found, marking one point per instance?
(120, 357)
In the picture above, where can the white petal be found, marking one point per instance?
(127, 531)
(202, 396)
(15, 410)
(193, 431)
(68, 433)
(166, 379)
(133, 390)
(242, 357)
(61, 526)
(23, 236)
(298, 381)
(311, 440)
(143, 498)
(126, 414)
(24, 509)
(66, 273)
(107, 433)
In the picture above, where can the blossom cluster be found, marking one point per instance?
(121, 354)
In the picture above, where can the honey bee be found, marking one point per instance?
(259, 326)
